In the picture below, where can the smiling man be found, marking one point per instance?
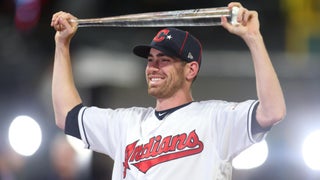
(179, 138)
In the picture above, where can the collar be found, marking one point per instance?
(162, 114)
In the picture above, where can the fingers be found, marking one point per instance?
(55, 21)
(61, 21)
(225, 23)
(244, 15)
(248, 22)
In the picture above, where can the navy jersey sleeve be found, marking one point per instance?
(255, 126)
(72, 126)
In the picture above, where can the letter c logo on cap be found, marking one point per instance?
(161, 35)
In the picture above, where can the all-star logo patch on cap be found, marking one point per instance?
(173, 42)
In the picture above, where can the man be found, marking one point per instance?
(179, 138)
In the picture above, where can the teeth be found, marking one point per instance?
(155, 79)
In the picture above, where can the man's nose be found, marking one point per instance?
(154, 64)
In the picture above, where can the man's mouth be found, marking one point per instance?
(155, 80)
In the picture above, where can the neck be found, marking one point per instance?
(174, 101)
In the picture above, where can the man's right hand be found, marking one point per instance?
(61, 22)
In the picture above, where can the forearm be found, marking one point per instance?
(64, 93)
(272, 106)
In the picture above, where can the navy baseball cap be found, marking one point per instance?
(175, 43)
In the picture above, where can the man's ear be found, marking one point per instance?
(192, 70)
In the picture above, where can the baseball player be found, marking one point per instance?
(179, 138)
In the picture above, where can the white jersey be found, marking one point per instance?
(197, 141)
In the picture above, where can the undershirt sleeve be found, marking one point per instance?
(71, 126)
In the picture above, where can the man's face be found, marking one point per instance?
(165, 75)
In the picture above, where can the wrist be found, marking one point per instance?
(253, 39)
(62, 42)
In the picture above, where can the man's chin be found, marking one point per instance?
(154, 92)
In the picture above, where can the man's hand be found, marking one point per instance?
(65, 29)
(248, 22)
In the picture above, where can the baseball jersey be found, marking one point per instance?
(195, 141)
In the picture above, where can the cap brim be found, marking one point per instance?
(142, 50)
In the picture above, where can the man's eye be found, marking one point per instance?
(165, 60)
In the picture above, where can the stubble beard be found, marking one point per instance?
(166, 89)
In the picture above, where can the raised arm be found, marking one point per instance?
(271, 108)
(64, 93)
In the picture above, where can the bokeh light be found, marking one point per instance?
(25, 135)
(84, 155)
(252, 157)
(311, 150)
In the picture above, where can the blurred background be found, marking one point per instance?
(109, 75)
